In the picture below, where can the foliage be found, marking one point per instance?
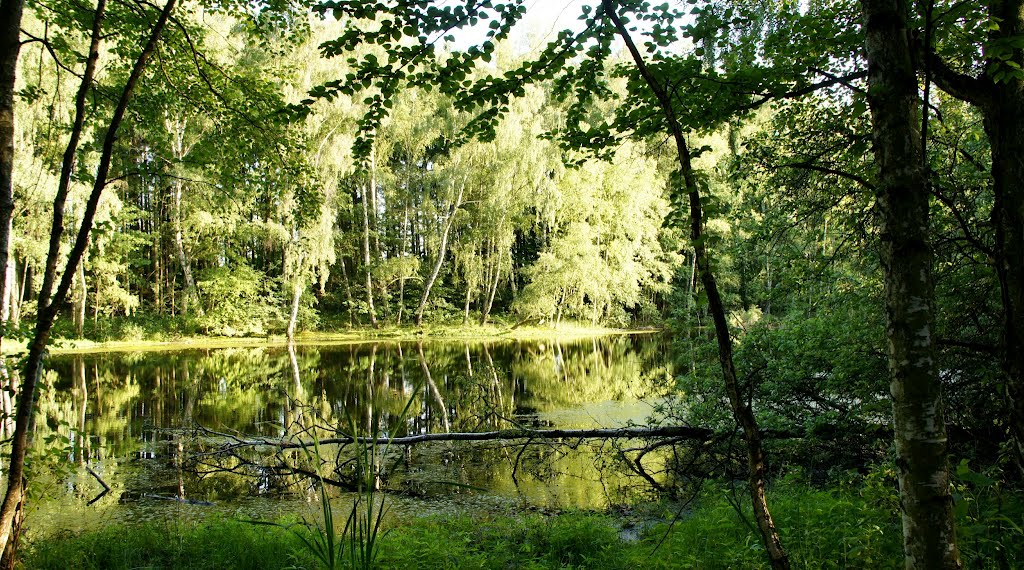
(239, 302)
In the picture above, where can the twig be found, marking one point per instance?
(106, 488)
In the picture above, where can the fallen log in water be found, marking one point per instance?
(675, 432)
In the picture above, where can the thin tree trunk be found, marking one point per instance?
(442, 252)
(402, 255)
(6, 292)
(741, 406)
(493, 289)
(178, 127)
(378, 255)
(293, 316)
(81, 295)
(191, 296)
(8, 387)
(366, 257)
(64, 183)
(14, 295)
(348, 293)
(929, 540)
(24, 288)
(10, 46)
(401, 301)
(47, 312)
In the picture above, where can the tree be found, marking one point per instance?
(985, 71)
(903, 203)
(417, 65)
(48, 307)
(10, 46)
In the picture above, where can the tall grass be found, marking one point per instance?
(853, 524)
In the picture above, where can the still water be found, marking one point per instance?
(146, 424)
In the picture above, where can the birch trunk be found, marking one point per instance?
(366, 257)
(6, 292)
(929, 540)
(442, 252)
(348, 293)
(81, 294)
(191, 296)
(293, 316)
(14, 295)
(10, 46)
(493, 289)
(402, 253)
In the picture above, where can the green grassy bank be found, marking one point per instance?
(145, 339)
(851, 525)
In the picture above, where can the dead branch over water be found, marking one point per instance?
(678, 432)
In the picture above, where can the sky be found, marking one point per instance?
(543, 20)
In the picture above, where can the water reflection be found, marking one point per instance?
(130, 417)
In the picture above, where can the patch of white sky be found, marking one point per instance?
(543, 20)
(541, 24)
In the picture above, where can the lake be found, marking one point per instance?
(148, 423)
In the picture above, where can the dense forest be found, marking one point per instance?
(821, 200)
(231, 214)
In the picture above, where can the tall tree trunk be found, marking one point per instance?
(8, 387)
(348, 293)
(14, 294)
(6, 292)
(366, 257)
(442, 252)
(191, 296)
(402, 255)
(378, 255)
(741, 406)
(81, 295)
(178, 128)
(492, 290)
(10, 46)
(47, 312)
(293, 316)
(929, 540)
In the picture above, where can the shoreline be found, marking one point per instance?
(458, 333)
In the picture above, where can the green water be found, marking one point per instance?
(134, 419)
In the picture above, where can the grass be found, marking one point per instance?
(214, 544)
(839, 528)
(851, 525)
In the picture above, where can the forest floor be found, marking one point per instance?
(390, 333)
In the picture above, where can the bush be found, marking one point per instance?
(237, 301)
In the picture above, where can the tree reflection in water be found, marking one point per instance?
(133, 416)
